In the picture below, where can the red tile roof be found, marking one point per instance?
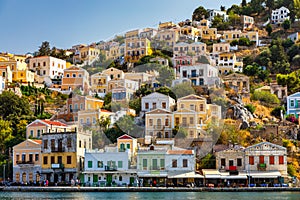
(55, 123)
(180, 152)
(125, 137)
(38, 141)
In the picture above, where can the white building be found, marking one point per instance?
(279, 15)
(294, 37)
(2, 84)
(47, 66)
(157, 100)
(200, 74)
(212, 13)
(180, 160)
(108, 169)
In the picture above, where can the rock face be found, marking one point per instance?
(239, 112)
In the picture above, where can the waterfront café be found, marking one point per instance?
(152, 178)
(265, 178)
(213, 177)
(184, 178)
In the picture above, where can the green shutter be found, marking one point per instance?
(120, 164)
(95, 178)
(162, 163)
(144, 162)
(296, 103)
(90, 164)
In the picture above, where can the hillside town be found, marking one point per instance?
(210, 101)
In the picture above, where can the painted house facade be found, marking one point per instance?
(293, 104)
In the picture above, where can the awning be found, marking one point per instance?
(109, 172)
(234, 177)
(152, 174)
(184, 175)
(211, 176)
(274, 174)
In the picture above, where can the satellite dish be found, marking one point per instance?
(47, 81)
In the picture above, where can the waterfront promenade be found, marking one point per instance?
(146, 189)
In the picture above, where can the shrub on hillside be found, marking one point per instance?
(265, 97)
(250, 108)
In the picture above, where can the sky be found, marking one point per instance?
(25, 24)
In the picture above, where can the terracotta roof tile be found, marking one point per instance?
(180, 152)
(55, 123)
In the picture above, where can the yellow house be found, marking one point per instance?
(27, 161)
(190, 31)
(159, 124)
(132, 33)
(128, 143)
(220, 47)
(113, 73)
(191, 114)
(166, 25)
(136, 48)
(85, 53)
(168, 36)
(36, 128)
(75, 78)
(89, 118)
(209, 34)
(63, 154)
(203, 24)
(99, 82)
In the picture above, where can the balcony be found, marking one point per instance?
(23, 162)
(193, 75)
(57, 166)
(262, 167)
(158, 127)
(231, 168)
(60, 149)
(110, 168)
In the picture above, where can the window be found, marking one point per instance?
(45, 160)
(31, 133)
(90, 164)
(271, 160)
(79, 143)
(52, 159)
(292, 103)
(239, 162)
(69, 160)
(120, 178)
(176, 120)
(74, 75)
(36, 157)
(184, 121)
(223, 162)
(164, 105)
(150, 122)
(174, 163)
(154, 105)
(44, 64)
(281, 160)
(68, 75)
(52, 143)
(201, 107)
(128, 146)
(191, 120)
(45, 144)
(69, 142)
(261, 159)
(38, 133)
(144, 163)
(181, 105)
(185, 163)
(146, 105)
(100, 164)
(162, 163)
(120, 164)
(166, 122)
(30, 158)
(251, 160)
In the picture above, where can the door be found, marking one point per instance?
(131, 180)
(230, 162)
(108, 179)
(261, 159)
(55, 178)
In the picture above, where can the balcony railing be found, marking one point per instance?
(23, 162)
(261, 166)
(110, 168)
(61, 149)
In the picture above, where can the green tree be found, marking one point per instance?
(136, 104)
(251, 108)
(291, 80)
(44, 49)
(166, 91)
(265, 97)
(208, 162)
(277, 111)
(182, 90)
(269, 29)
(166, 75)
(286, 24)
(256, 6)
(199, 14)
(5, 134)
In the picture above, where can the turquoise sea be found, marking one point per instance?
(150, 195)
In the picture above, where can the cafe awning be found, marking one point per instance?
(184, 175)
(211, 173)
(264, 174)
(152, 174)
(240, 175)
